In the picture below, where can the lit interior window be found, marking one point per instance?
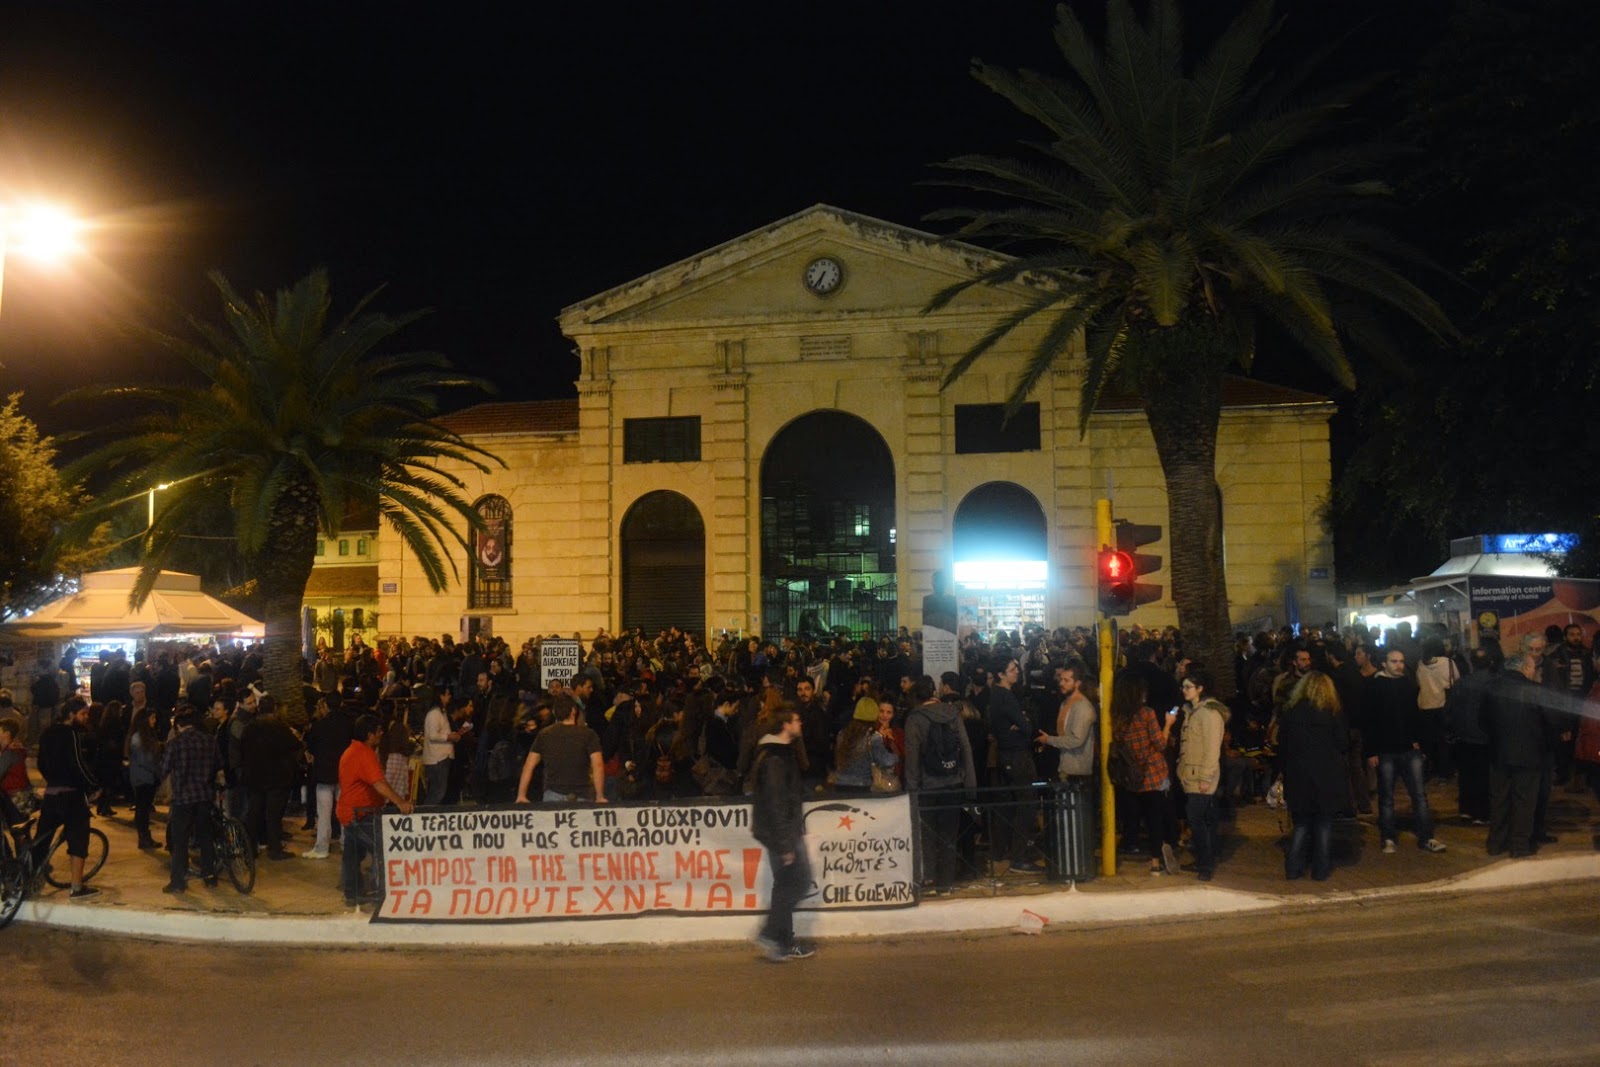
(1002, 573)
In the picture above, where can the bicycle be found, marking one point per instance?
(21, 873)
(233, 851)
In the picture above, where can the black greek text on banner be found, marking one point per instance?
(532, 864)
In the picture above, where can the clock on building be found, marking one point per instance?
(824, 275)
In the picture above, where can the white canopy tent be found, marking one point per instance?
(175, 607)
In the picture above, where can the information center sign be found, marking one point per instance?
(610, 861)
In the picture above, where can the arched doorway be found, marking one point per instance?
(1001, 545)
(663, 564)
(828, 529)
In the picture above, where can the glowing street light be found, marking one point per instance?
(151, 523)
(41, 232)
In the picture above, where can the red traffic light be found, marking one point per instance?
(1118, 566)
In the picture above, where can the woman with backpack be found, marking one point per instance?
(1139, 736)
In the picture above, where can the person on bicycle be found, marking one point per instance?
(190, 763)
(13, 774)
(69, 786)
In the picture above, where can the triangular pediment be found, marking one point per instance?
(761, 277)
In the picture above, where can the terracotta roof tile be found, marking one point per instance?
(350, 581)
(528, 416)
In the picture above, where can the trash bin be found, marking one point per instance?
(1071, 832)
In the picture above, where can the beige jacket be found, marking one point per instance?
(1200, 750)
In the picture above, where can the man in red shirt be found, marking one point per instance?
(362, 792)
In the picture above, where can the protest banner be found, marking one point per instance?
(558, 661)
(528, 864)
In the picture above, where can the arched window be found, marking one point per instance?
(489, 579)
(828, 529)
(663, 564)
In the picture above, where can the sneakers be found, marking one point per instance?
(1388, 846)
(1026, 868)
(170, 887)
(776, 953)
(281, 854)
(1432, 844)
(84, 891)
(1169, 858)
(314, 854)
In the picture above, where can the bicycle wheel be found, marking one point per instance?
(13, 880)
(58, 870)
(238, 854)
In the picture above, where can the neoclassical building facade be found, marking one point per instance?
(760, 443)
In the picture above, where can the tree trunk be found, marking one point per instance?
(283, 566)
(1181, 384)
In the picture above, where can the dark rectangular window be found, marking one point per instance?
(664, 440)
(984, 428)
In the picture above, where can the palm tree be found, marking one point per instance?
(1171, 210)
(296, 419)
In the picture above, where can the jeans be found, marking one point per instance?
(1411, 765)
(183, 819)
(1472, 779)
(1160, 821)
(264, 815)
(327, 797)
(1513, 794)
(940, 815)
(1013, 819)
(1315, 832)
(360, 840)
(437, 778)
(1201, 810)
(789, 886)
(144, 802)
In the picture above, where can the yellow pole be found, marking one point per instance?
(1108, 667)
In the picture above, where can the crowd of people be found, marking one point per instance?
(1326, 719)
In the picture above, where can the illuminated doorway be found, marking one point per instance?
(1001, 549)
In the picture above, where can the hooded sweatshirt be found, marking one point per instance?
(918, 723)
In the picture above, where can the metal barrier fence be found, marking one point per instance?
(969, 838)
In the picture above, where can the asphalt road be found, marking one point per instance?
(1421, 980)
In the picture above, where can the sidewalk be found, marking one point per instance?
(298, 901)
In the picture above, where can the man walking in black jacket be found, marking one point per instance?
(778, 822)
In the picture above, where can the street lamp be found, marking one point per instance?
(40, 231)
(152, 520)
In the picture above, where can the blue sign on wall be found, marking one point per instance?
(1529, 544)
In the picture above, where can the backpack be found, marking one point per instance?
(502, 761)
(1121, 767)
(941, 750)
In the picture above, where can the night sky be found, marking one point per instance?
(492, 166)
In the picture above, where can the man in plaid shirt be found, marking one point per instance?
(190, 763)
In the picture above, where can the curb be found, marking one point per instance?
(1066, 907)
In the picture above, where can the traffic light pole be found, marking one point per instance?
(1108, 667)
